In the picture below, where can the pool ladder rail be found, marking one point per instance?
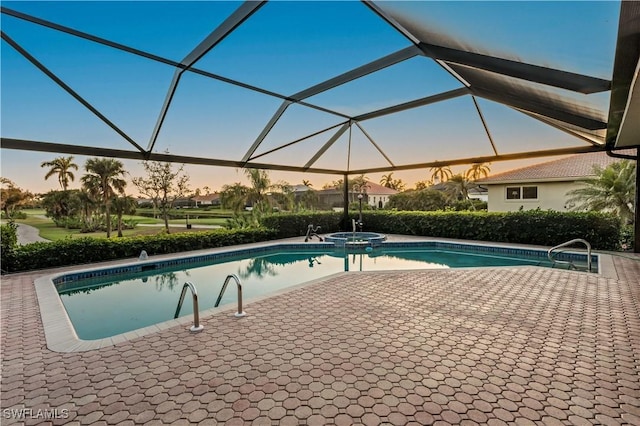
(197, 327)
(554, 261)
(230, 277)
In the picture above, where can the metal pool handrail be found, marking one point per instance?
(196, 327)
(568, 243)
(240, 312)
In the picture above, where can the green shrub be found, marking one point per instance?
(626, 238)
(16, 214)
(88, 250)
(8, 243)
(546, 228)
(536, 227)
(295, 225)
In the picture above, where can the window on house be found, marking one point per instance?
(522, 193)
(513, 193)
(529, 192)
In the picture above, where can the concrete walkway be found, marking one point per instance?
(474, 346)
(28, 234)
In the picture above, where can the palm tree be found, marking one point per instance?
(612, 189)
(88, 204)
(358, 185)
(387, 180)
(103, 180)
(457, 188)
(234, 197)
(398, 185)
(478, 171)
(423, 184)
(61, 166)
(260, 184)
(121, 206)
(307, 183)
(441, 173)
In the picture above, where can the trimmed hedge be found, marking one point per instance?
(546, 228)
(87, 250)
(295, 224)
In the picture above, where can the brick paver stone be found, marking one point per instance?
(517, 345)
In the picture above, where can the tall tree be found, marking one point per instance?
(234, 197)
(163, 185)
(283, 196)
(457, 188)
(398, 185)
(260, 185)
(61, 205)
(88, 204)
(358, 185)
(12, 197)
(424, 199)
(61, 167)
(307, 183)
(309, 200)
(121, 206)
(441, 173)
(387, 180)
(612, 189)
(478, 171)
(423, 184)
(104, 179)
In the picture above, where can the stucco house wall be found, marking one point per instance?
(543, 185)
(551, 196)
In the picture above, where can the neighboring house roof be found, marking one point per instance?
(473, 189)
(300, 188)
(208, 197)
(565, 169)
(375, 189)
(372, 189)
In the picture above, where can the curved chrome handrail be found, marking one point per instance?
(568, 243)
(196, 314)
(230, 277)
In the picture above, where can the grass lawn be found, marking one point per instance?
(48, 230)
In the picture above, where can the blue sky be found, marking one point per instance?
(284, 47)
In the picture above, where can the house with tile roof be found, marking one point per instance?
(377, 196)
(543, 185)
(207, 200)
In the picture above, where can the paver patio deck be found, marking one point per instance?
(475, 346)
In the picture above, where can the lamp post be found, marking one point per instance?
(360, 197)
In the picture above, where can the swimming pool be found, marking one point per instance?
(106, 302)
(147, 292)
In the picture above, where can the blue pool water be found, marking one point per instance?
(119, 302)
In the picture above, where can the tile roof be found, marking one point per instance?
(372, 189)
(207, 197)
(569, 168)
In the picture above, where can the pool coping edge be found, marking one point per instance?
(61, 336)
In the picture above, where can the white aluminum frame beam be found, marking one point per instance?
(240, 15)
(68, 89)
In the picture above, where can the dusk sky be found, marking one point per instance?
(284, 47)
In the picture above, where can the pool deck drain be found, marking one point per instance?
(477, 346)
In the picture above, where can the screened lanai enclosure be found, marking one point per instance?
(342, 88)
